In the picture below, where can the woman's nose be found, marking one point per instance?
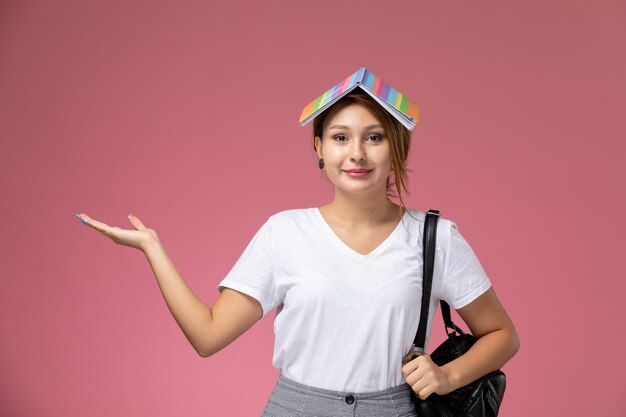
(357, 151)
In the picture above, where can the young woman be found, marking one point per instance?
(345, 279)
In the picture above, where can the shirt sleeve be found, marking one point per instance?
(463, 278)
(252, 274)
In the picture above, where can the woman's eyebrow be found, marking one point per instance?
(346, 127)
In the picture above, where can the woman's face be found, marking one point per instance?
(355, 139)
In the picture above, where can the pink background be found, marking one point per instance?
(185, 114)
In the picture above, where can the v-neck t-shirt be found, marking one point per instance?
(344, 320)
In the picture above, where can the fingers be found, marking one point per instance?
(91, 222)
(415, 370)
(427, 377)
(137, 224)
(425, 392)
(138, 238)
(411, 365)
(422, 387)
(81, 219)
(103, 228)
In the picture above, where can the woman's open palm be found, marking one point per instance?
(137, 238)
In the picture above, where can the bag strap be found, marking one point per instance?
(428, 249)
(429, 245)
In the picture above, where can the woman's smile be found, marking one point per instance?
(358, 173)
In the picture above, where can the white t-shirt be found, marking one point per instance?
(345, 320)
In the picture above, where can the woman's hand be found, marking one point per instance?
(139, 238)
(425, 377)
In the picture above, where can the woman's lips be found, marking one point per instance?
(358, 173)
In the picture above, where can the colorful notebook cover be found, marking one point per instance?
(391, 99)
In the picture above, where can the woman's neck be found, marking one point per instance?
(353, 211)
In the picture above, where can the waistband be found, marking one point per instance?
(391, 392)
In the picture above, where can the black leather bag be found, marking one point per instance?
(481, 398)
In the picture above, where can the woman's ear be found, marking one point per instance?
(318, 146)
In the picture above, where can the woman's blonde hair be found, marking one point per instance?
(399, 138)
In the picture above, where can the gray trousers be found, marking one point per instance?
(292, 399)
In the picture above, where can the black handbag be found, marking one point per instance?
(482, 397)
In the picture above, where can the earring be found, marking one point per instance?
(320, 163)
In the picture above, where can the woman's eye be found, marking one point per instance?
(378, 138)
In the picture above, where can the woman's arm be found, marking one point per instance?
(208, 329)
(497, 340)
(497, 343)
